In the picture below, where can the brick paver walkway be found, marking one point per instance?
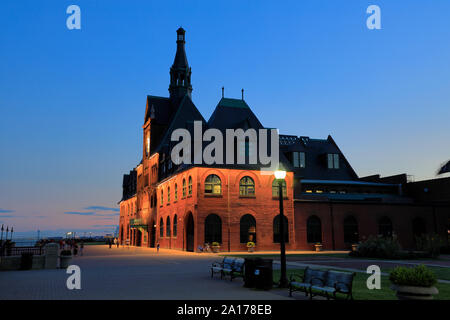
(135, 273)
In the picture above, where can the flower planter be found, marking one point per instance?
(64, 261)
(414, 293)
(318, 247)
(251, 249)
(215, 249)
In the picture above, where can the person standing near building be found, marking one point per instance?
(110, 243)
(117, 243)
(157, 247)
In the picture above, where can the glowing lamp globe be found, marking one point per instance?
(280, 174)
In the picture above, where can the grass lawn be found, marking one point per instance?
(360, 291)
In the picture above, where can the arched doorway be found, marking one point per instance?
(190, 232)
(138, 237)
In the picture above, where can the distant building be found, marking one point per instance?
(182, 207)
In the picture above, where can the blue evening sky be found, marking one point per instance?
(72, 101)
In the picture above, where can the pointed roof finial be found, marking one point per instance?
(223, 91)
(242, 91)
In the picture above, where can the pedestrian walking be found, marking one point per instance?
(110, 243)
(117, 243)
(157, 247)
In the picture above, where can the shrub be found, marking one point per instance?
(250, 244)
(430, 243)
(66, 253)
(419, 276)
(378, 247)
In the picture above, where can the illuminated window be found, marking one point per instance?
(309, 191)
(176, 192)
(168, 194)
(190, 186)
(247, 229)
(246, 187)
(319, 191)
(213, 185)
(275, 188)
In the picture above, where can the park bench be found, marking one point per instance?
(234, 267)
(323, 282)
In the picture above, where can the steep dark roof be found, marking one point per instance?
(161, 106)
(184, 118)
(316, 151)
(233, 114)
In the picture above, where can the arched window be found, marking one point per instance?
(419, 227)
(168, 227)
(275, 188)
(248, 228)
(176, 192)
(175, 223)
(246, 187)
(190, 186)
(184, 188)
(162, 197)
(161, 227)
(168, 194)
(213, 185)
(213, 229)
(314, 230)
(385, 227)
(351, 234)
(276, 229)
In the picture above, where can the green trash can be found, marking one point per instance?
(26, 261)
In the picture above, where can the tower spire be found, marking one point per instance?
(180, 72)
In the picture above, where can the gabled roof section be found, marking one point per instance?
(233, 114)
(316, 151)
(161, 107)
(186, 114)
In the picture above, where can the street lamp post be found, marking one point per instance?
(280, 175)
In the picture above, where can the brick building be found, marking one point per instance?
(184, 206)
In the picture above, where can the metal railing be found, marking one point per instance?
(17, 251)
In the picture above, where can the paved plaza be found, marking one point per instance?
(132, 273)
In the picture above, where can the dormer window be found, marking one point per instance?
(298, 159)
(333, 161)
